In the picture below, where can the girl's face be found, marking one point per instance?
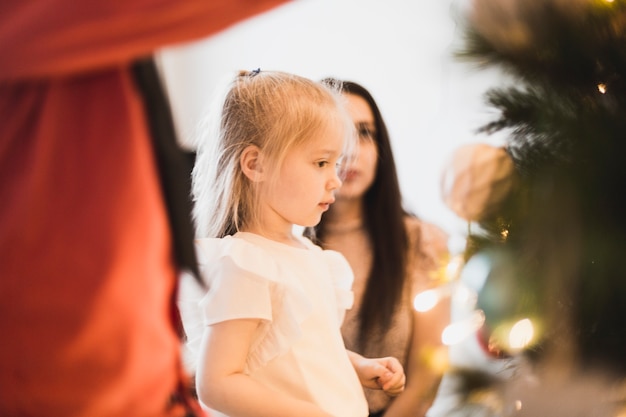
(360, 174)
(306, 182)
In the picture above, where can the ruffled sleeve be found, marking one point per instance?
(343, 277)
(237, 275)
(243, 282)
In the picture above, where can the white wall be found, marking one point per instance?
(401, 50)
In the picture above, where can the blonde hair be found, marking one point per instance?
(270, 109)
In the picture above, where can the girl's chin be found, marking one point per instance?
(311, 223)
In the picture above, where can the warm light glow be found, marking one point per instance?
(602, 87)
(504, 234)
(521, 334)
(440, 360)
(436, 358)
(464, 297)
(453, 269)
(456, 332)
(518, 405)
(426, 300)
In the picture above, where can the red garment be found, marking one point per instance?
(87, 274)
(56, 37)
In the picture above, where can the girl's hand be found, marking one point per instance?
(393, 379)
(379, 373)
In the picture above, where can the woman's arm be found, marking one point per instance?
(423, 376)
(223, 385)
(426, 350)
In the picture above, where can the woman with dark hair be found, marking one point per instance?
(393, 255)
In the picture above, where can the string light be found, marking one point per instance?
(454, 267)
(464, 298)
(426, 300)
(602, 86)
(521, 334)
(458, 331)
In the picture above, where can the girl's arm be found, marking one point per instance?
(223, 386)
(379, 373)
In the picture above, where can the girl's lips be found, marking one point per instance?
(325, 205)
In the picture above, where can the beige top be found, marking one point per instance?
(351, 240)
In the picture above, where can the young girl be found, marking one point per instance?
(270, 341)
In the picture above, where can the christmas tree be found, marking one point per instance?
(556, 242)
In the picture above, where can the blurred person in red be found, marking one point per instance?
(94, 208)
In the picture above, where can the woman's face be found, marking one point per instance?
(360, 174)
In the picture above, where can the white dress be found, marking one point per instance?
(300, 295)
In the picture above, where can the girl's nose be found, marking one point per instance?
(335, 182)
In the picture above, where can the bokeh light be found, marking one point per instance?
(458, 331)
(426, 300)
(521, 334)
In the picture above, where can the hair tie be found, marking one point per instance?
(255, 72)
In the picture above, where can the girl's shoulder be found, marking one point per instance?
(264, 257)
(340, 269)
(241, 253)
(211, 249)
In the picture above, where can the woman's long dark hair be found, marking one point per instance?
(384, 222)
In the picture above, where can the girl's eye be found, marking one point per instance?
(322, 164)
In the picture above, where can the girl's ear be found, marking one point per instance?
(251, 163)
